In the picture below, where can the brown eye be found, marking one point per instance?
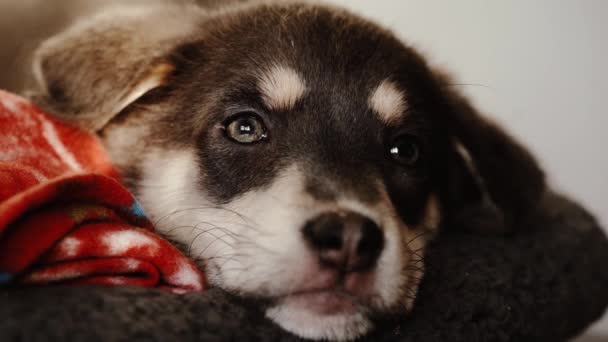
(246, 128)
(405, 150)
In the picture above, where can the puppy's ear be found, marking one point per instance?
(91, 72)
(491, 182)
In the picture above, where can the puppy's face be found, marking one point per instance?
(303, 155)
(303, 173)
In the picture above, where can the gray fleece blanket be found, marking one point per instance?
(546, 283)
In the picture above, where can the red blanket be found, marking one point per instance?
(65, 219)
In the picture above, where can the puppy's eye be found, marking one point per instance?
(246, 128)
(405, 150)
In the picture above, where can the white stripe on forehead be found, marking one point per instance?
(281, 87)
(388, 102)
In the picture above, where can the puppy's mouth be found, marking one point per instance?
(333, 294)
(325, 302)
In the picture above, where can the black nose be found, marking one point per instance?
(347, 241)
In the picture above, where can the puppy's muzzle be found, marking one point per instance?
(345, 242)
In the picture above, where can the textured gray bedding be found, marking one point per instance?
(546, 283)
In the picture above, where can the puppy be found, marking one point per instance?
(303, 154)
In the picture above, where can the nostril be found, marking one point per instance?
(349, 242)
(370, 245)
(325, 232)
(371, 238)
(333, 241)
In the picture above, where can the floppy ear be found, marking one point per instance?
(492, 182)
(91, 72)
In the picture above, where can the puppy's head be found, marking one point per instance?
(303, 154)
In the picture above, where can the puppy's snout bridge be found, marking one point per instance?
(346, 241)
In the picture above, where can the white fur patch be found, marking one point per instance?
(281, 87)
(121, 141)
(309, 325)
(388, 102)
(253, 245)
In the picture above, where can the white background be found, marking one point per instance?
(541, 70)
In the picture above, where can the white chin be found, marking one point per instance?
(307, 322)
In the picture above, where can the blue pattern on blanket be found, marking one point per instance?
(5, 278)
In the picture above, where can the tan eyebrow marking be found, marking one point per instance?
(388, 102)
(281, 87)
